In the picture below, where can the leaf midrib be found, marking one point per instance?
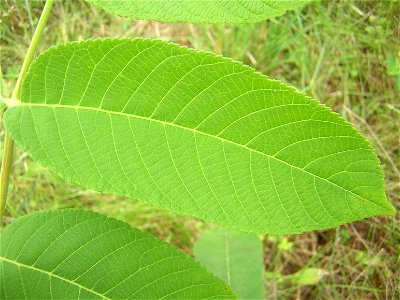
(198, 132)
(227, 258)
(48, 273)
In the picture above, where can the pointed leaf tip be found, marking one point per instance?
(197, 134)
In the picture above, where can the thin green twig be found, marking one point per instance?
(9, 143)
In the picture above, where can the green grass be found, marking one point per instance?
(345, 54)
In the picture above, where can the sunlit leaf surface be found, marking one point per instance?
(199, 11)
(197, 134)
(74, 254)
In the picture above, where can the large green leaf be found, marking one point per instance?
(197, 134)
(236, 257)
(199, 11)
(71, 254)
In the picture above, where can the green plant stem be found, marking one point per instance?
(9, 143)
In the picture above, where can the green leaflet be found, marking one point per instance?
(199, 11)
(197, 134)
(306, 276)
(236, 257)
(71, 254)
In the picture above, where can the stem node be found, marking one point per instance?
(6, 162)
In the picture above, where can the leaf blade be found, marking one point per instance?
(198, 11)
(197, 134)
(236, 257)
(72, 253)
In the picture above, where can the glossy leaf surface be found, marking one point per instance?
(197, 134)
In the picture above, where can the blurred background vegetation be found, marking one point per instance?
(344, 53)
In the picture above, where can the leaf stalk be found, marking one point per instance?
(9, 143)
